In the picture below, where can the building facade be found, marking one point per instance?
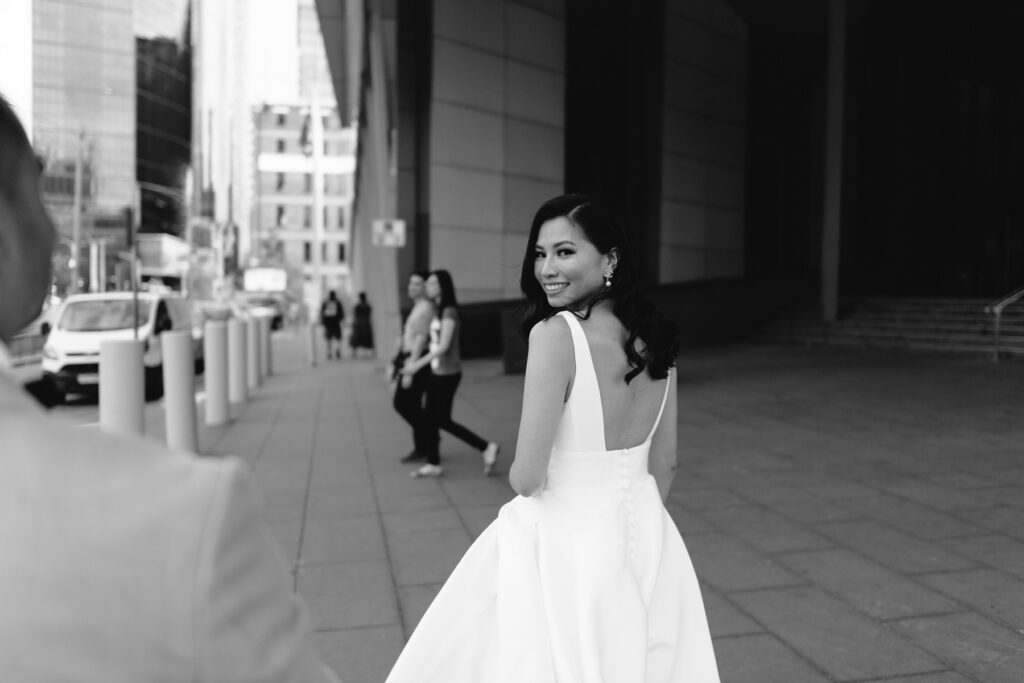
(285, 228)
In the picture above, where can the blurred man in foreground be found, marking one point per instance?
(121, 561)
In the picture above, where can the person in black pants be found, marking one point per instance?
(410, 389)
(446, 373)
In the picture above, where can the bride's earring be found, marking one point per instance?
(608, 278)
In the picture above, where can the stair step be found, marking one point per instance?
(920, 324)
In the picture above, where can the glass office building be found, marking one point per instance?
(163, 99)
(84, 105)
(112, 85)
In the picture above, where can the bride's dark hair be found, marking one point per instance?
(643, 321)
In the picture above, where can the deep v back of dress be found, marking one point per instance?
(582, 427)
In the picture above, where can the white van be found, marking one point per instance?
(71, 355)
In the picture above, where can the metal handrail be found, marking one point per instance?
(996, 308)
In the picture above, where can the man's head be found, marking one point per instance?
(26, 231)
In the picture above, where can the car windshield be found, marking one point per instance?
(102, 315)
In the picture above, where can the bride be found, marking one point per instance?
(583, 577)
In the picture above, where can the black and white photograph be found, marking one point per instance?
(511, 341)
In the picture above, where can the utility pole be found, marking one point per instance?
(318, 195)
(76, 215)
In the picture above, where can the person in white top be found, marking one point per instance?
(123, 562)
(445, 362)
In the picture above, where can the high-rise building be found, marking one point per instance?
(163, 112)
(223, 172)
(284, 231)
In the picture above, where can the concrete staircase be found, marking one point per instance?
(936, 325)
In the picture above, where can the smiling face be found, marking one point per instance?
(568, 266)
(415, 287)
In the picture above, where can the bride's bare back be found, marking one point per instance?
(629, 409)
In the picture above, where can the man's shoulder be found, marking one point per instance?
(42, 448)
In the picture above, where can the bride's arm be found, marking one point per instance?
(549, 370)
(662, 461)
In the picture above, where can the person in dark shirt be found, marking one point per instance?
(331, 316)
(362, 328)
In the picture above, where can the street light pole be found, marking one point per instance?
(76, 214)
(318, 196)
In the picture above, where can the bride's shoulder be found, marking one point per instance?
(550, 331)
(550, 334)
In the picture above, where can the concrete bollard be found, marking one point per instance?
(237, 361)
(264, 328)
(215, 355)
(252, 353)
(311, 330)
(122, 387)
(180, 391)
(270, 347)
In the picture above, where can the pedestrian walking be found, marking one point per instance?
(583, 576)
(410, 389)
(445, 364)
(332, 313)
(122, 561)
(362, 327)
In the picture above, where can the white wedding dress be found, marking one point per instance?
(586, 582)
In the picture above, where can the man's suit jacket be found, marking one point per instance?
(121, 561)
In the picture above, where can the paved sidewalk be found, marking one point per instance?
(852, 516)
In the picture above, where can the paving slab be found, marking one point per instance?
(986, 591)
(971, 644)
(426, 556)
(767, 531)
(911, 517)
(361, 654)
(840, 641)
(868, 587)
(894, 549)
(730, 565)
(349, 595)
(343, 539)
(763, 659)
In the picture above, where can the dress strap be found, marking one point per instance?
(586, 421)
(664, 399)
(581, 349)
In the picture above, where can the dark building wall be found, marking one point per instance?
(933, 147)
(414, 73)
(786, 104)
(941, 154)
(613, 100)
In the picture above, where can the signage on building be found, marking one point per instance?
(389, 233)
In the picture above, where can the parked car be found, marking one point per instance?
(270, 304)
(71, 354)
(209, 309)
